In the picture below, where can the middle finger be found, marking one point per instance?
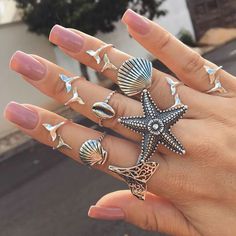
(76, 43)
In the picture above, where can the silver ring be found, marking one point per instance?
(217, 87)
(68, 81)
(173, 85)
(92, 153)
(52, 129)
(62, 143)
(214, 79)
(107, 64)
(96, 54)
(134, 75)
(75, 98)
(103, 110)
(212, 72)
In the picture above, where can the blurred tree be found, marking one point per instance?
(89, 16)
(186, 37)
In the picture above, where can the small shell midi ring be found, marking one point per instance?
(92, 153)
(103, 110)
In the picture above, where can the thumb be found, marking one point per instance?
(155, 213)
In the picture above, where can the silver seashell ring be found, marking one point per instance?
(92, 153)
(103, 110)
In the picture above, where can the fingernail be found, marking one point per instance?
(66, 39)
(21, 115)
(136, 22)
(106, 213)
(27, 65)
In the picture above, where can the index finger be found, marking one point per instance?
(186, 63)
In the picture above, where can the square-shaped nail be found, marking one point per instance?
(106, 213)
(66, 39)
(21, 115)
(136, 22)
(27, 65)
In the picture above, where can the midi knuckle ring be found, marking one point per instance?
(214, 80)
(55, 135)
(92, 153)
(103, 110)
(68, 87)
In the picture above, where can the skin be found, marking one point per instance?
(190, 195)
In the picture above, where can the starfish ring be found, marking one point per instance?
(135, 76)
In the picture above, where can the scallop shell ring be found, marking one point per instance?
(134, 75)
(103, 110)
(92, 153)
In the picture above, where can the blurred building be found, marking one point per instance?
(207, 14)
(14, 36)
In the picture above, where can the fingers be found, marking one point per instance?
(121, 153)
(67, 40)
(160, 89)
(154, 214)
(51, 85)
(187, 64)
(30, 120)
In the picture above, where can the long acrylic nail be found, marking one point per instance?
(136, 22)
(66, 39)
(21, 115)
(106, 213)
(27, 65)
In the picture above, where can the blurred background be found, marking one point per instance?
(41, 191)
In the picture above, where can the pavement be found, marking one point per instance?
(42, 192)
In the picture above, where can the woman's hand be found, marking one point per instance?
(190, 195)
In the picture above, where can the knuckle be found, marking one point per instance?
(195, 63)
(207, 149)
(203, 147)
(150, 222)
(163, 41)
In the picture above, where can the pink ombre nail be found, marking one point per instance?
(136, 22)
(21, 115)
(66, 38)
(27, 65)
(106, 213)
